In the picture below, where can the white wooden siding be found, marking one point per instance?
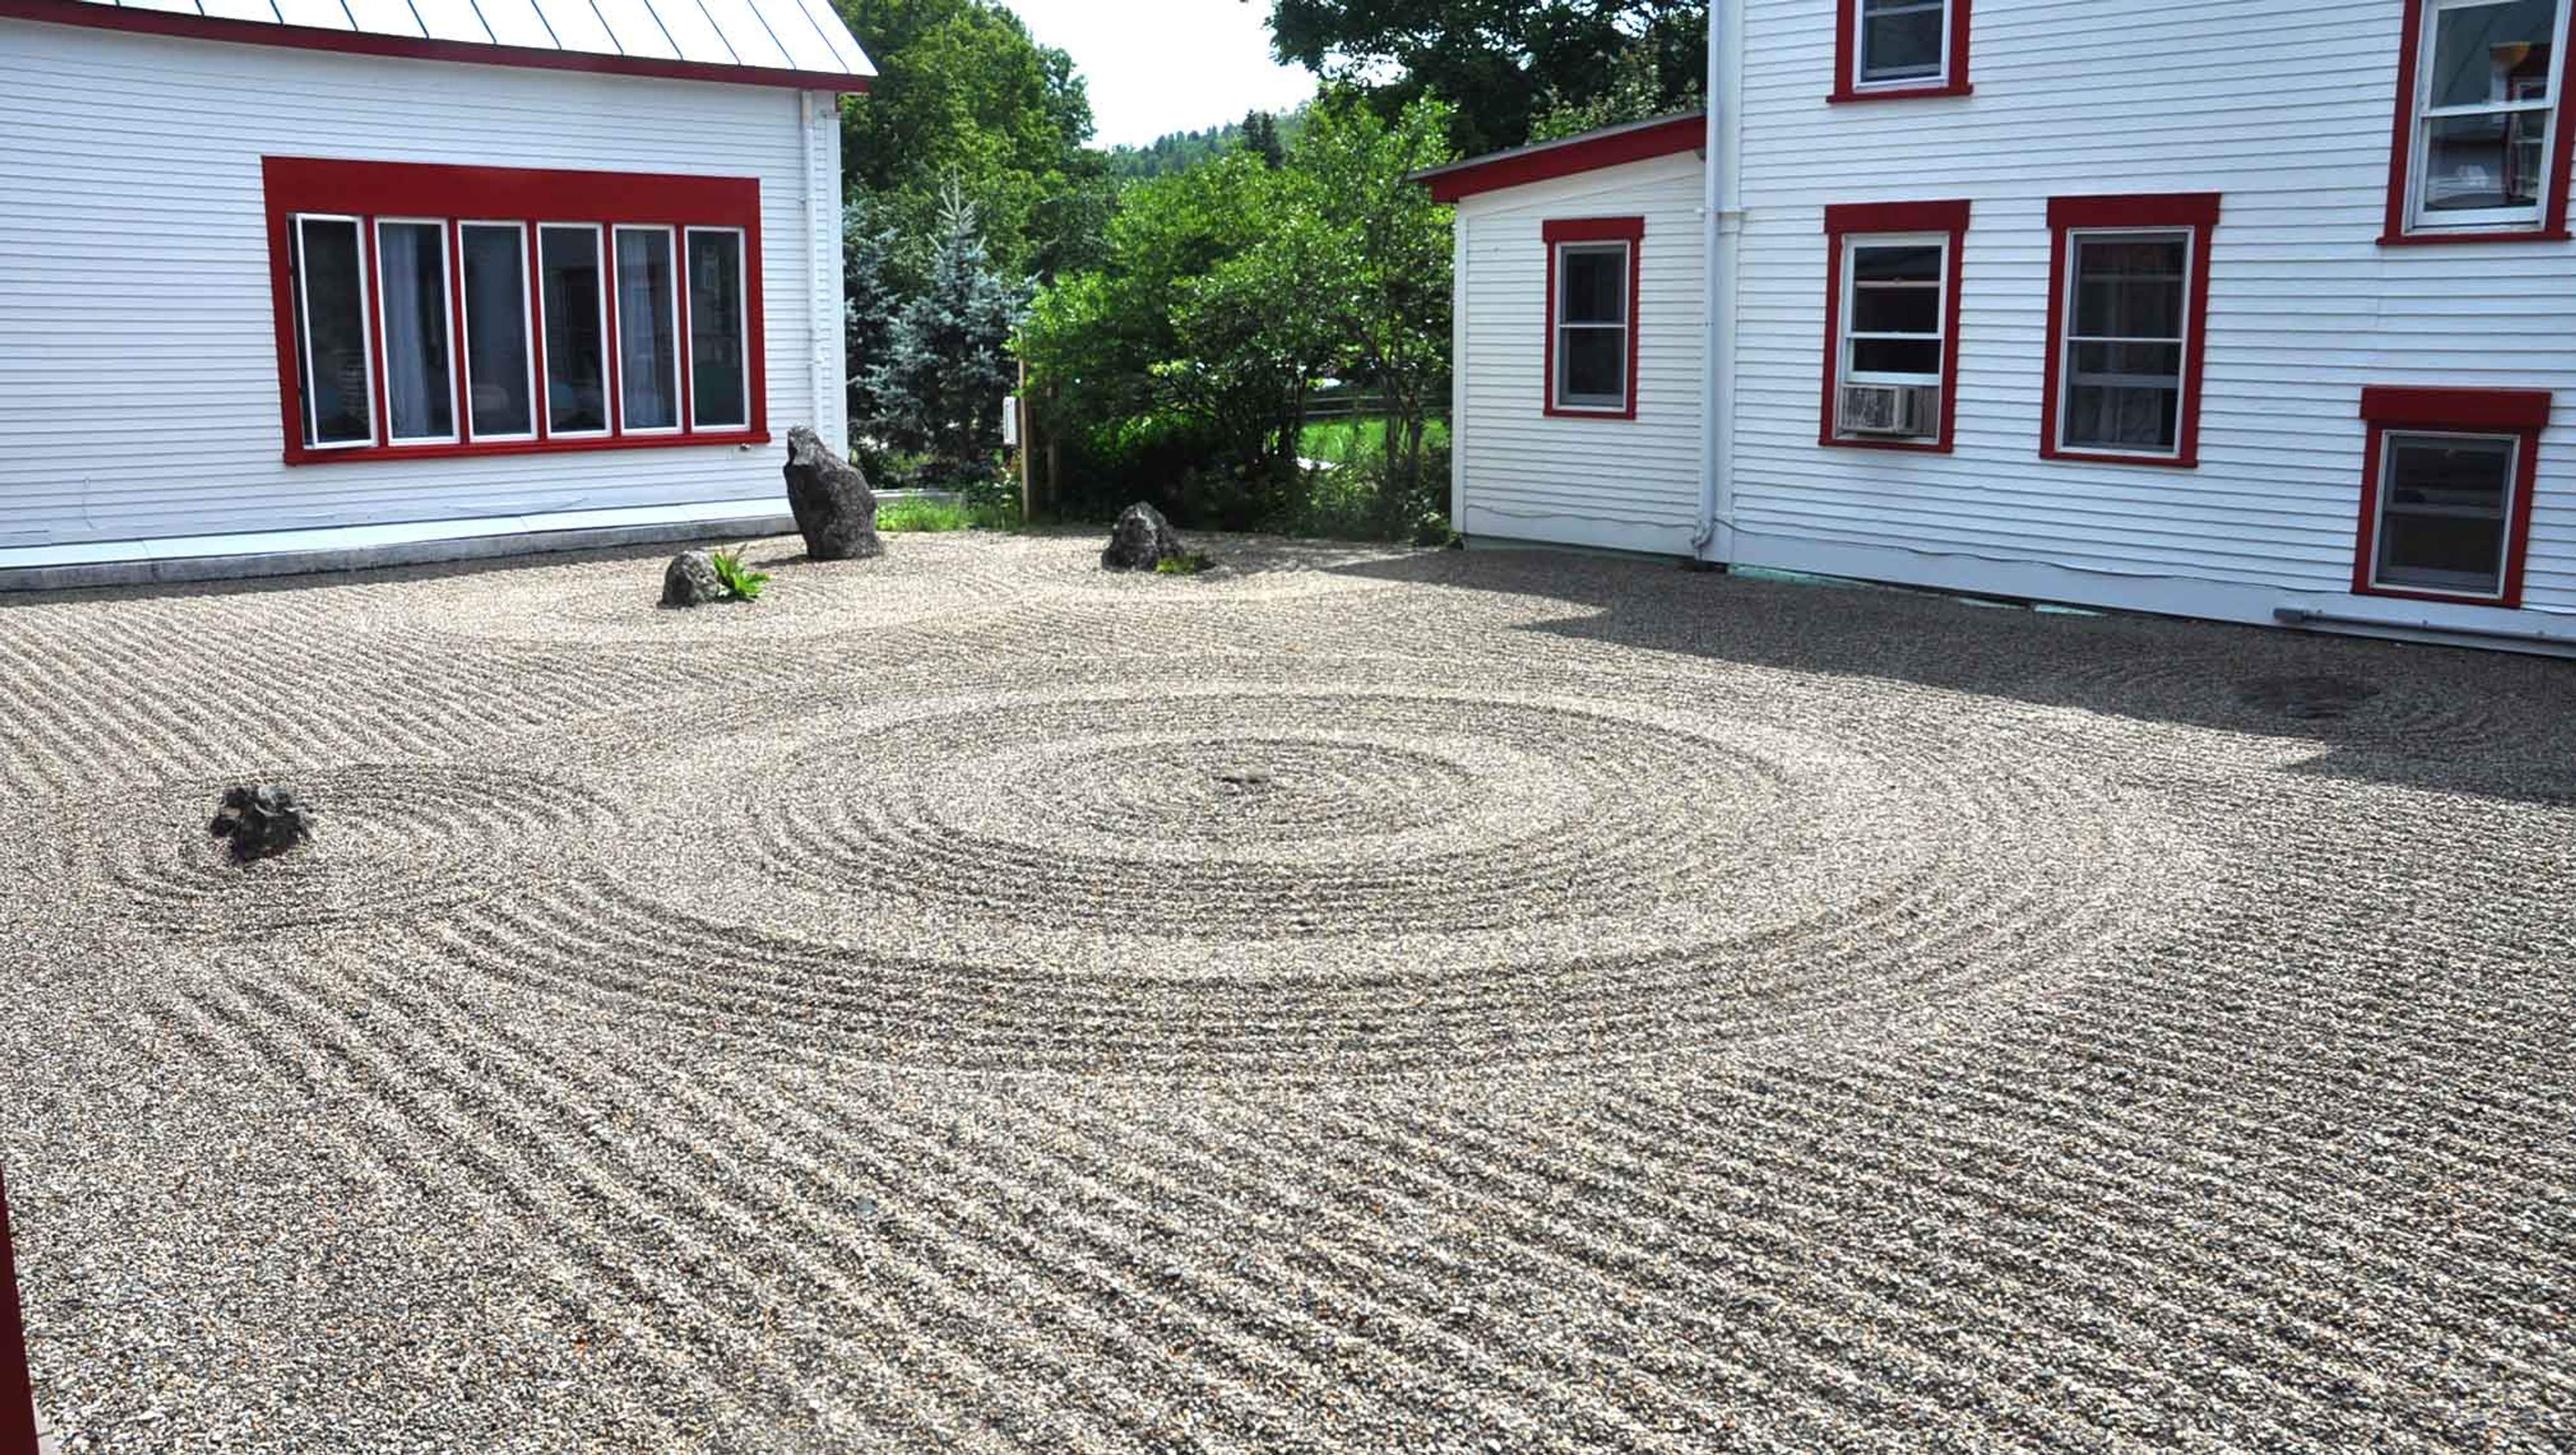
(1613, 483)
(2283, 106)
(138, 370)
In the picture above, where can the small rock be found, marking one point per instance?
(692, 580)
(835, 510)
(262, 822)
(1141, 541)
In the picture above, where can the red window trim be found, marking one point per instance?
(2521, 413)
(2401, 156)
(1861, 219)
(1847, 85)
(1629, 230)
(2195, 210)
(458, 195)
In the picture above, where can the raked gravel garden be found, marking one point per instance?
(1349, 999)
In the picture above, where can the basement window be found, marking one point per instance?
(2446, 500)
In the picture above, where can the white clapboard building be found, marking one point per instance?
(291, 281)
(2238, 310)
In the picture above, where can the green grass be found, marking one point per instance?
(1337, 441)
(1189, 563)
(904, 516)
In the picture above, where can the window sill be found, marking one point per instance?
(2096, 457)
(2439, 239)
(1906, 446)
(299, 455)
(1560, 412)
(1847, 95)
(2395, 593)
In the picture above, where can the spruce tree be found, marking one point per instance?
(868, 307)
(947, 364)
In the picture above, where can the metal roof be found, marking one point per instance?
(773, 41)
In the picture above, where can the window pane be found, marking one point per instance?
(331, 328)
(648, 331)
(719, 377)
(2443, 515)
(1595, 285)
(2478, 162)
(2490, 53)
(2121, 417)
(411, 268)
(1895, 310)
(1896, 356)
(2129, 287)
(576, 355)
(1593, 366)
(1913, 263)
(1900, 40)
(496, 332)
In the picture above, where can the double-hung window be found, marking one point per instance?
(2446, 493)
(427, 311)
(2482, 141)
(1892, 323)
(1593, 270)
(1886, 49)
(2129, 303)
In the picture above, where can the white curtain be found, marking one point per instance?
(407, 273)
(648, 363)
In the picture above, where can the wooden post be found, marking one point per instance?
(17, 1391)
(1020, 403)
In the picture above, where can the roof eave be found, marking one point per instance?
(1614, 146)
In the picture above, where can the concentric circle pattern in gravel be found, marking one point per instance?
(1357, 1000)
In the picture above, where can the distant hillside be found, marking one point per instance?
(1182, 150)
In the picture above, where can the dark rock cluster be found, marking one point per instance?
(262, 822)
(835, 510)
(1141, 541)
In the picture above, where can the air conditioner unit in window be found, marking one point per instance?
(1887, 409)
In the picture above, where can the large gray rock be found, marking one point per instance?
(835, 509)
(692, 580)
(1140, 541)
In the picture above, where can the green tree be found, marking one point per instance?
(1502, 63)
(868, 308)
(947, 363)
(1636, 93)
(1260, 136)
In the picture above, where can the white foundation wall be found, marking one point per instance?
(1612, 483)
(139, 390)
(2284, 107)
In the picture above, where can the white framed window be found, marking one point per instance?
(2485, 107)
(1900, 44)
(2126, 339)
(1592, 343)
(2445, 512)
(500, 368)
(648, 330)
(331, 338)
(719, 329)
(414, 321)
(572, 303)
(1895, 323)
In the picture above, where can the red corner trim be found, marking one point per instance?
(2499, 411)
(17, 1394)
(358, 42)
(1630, 230)
(1845, 219)
(2195, 210)
(1520, 168)
(1847, 60)
(2401, 152)
(508, 194)
(2427, 408)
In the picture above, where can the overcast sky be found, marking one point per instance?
(1158, 66)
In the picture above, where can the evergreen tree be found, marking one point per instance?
(947, 364)
(868, 308)
(1261, 138)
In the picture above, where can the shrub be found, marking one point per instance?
(1188, 563)
(741, 583)
(930, 515)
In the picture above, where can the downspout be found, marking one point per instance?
(1723, 204)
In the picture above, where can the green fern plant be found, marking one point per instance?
(741, 583)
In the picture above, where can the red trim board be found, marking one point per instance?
(17, 1392)
(369, 190)
(1590, 154)
(364, 43)
(2401, 154)
(2197, 211)
(1864, 218)
(1629, 230)
(2521, 413)
(1954, 79)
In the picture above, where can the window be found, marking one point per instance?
(2446, 493)
(1892, 323)
(431, 311)
(1891, 49)
(1592, 276)
(2129, 298)
(2481, 143)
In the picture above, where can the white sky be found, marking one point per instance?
(1158, 66)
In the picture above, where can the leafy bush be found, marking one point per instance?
(930, 515)
(1188, 563)
(741, 583)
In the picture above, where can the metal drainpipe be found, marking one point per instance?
(17, 1392)
(2303, 616)
(1722, 203)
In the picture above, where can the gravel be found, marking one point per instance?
(1351, 999)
